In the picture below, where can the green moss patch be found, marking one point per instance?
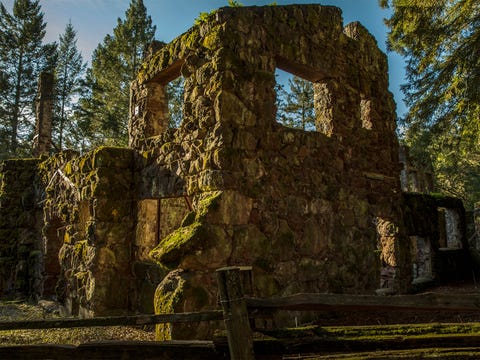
(377, 332)
(182, 241)
(194, 234)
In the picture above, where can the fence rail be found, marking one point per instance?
(238, 310)
(321, 302)
(114, 321)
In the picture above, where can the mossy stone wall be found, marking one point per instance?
(309, 211)
(425, 218)
(91, 197)
(20, 239)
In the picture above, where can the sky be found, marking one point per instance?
(94, 19)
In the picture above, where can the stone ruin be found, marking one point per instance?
(133, 229)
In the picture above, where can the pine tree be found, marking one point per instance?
(115, 64)
(440, 42)
(22, 57)
(175, 91)
(295, 106)
(69, 71)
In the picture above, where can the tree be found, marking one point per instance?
(22, 58)
(440, 42)
(295, 106)
(115, 64)
(69, 71)
(175, 91)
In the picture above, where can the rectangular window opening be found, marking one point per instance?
(175, 98)
(294, 101)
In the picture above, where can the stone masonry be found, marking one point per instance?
(141, 229)
(309, 211)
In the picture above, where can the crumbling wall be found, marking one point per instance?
(414, 177)
(302, 211)
(309, 211)
(441, 251)
(20, 240)
(88, 210)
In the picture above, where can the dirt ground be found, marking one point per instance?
(16, 311)
(13, 310)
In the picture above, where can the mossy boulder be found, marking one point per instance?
(183, 291)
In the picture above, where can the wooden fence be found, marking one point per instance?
(237, 312)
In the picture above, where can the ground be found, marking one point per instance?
(459, 329)
(15, 310)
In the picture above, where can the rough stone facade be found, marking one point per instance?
(414, 178)
(309, 211)
(319, 211)
(20, 226)
(436, 226)
(88, 222)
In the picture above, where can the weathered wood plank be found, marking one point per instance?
(322, 302)
(235, 314)
(207, 350)
(331, 345)
(113, 321)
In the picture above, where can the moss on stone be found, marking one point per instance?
(210, 202)
(165, 302)
(188, 219)
(374, 332)
(191, 39)
(212, 40)
(182, 241)
(194, 234)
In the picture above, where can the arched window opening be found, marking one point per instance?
(294, 101)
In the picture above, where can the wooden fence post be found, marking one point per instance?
(235, 314)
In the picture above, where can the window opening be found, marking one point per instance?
(366, 113)
(422, 255)
(450, 228)
(294, 101)
(175, 98)
(53, 238)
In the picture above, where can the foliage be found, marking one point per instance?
(440, 42)
(69, 71)
(115, 62)
(295, 107)
(234, 3)
(175, 90)
(22, 58)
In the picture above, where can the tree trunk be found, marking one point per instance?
(16, 106)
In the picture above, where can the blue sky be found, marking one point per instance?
(93, 19)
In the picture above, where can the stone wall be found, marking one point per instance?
(309, 211)
(415, 177)
(440, 250)
(20, 239)
(88, 223)
(68, 230)
(319, 211)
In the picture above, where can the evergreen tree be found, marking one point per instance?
(295, 106)
(175, 91)
(440, 42)
(22, 57)
(115, 64)
(69, 71)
